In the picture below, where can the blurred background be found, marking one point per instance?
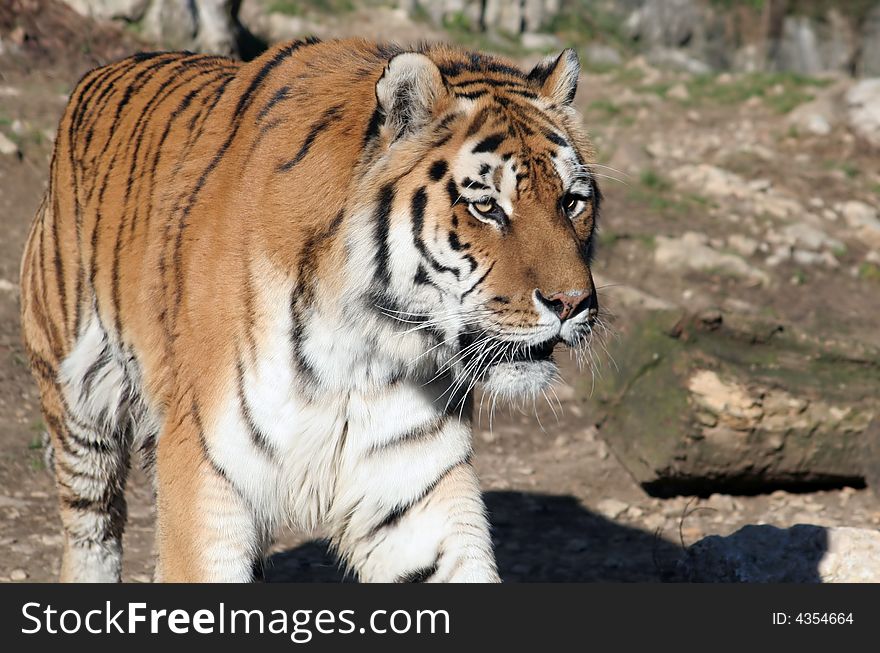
(738, 381)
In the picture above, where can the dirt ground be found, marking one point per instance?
(562, 507)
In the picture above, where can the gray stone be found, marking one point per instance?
(863, 110)
(665, 23)
(742, 245)
(537, 41)
(691, 252)
(7, 146)
(863, 220)
(735, 402)
(869, 62)
(602, 55)
(810, 238)
(128, 10)
(18, 575)
(202, 25)
(801, 554)
(611, 508)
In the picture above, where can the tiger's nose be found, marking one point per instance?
(568, 304)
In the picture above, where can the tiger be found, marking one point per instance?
(280, 282)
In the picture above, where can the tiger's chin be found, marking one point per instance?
(519, 379)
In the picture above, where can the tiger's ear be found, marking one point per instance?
(557, 77)
(410, 93)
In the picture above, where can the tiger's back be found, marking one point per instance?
(211, 273)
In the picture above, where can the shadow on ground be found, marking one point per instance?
(538, 538)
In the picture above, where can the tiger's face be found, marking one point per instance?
(502, 207)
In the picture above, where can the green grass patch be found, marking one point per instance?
(782, 92)
(302, 7)
(660, 88)
(606, 107)
(869, 272)
(653, 180)
(579, 22)
(628, 75)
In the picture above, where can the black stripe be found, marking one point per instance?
(437, 170)
(258, 438)
(506, 84)
(478, 282)
(477, 123)
(421, 277)
(397, 512)
(329, 116)
(455, 243)
(281, 94)
(419, 575)
(471, 95)
(380, 229)
(479, 63)
(524, 93)
(206, 452)
(418, 204)
(452, 191)
(489, 144)
(372, 129)
(430, 428)
(555, 138)
(91, 373)
(467, 182)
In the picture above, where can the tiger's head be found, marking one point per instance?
(486, 207)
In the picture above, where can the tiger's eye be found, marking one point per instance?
(569, 203)
(484, 207)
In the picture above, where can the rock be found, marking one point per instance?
(691, 252)
(775, 205)
(128, 10)
(869, 62)
(856, 214)
(807, 258)
(710, 180)
(18, 575)
(677, 60)
(736, 402)
(665, 23)
(600, 56)
(863, 110)
(742, 245)
(679, 92)
(623, 295)
(7, 286)
(807, 237)
(863, 220)
(611, 508)
(797, 49)
(536, 41)
(801, 554)
(760, 185)
(7, 146)
(817, 117)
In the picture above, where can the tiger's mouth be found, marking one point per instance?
(534, 353)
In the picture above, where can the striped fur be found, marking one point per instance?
(282, 280)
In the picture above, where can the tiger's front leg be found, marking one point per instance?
(206, 530)
(442, 536)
